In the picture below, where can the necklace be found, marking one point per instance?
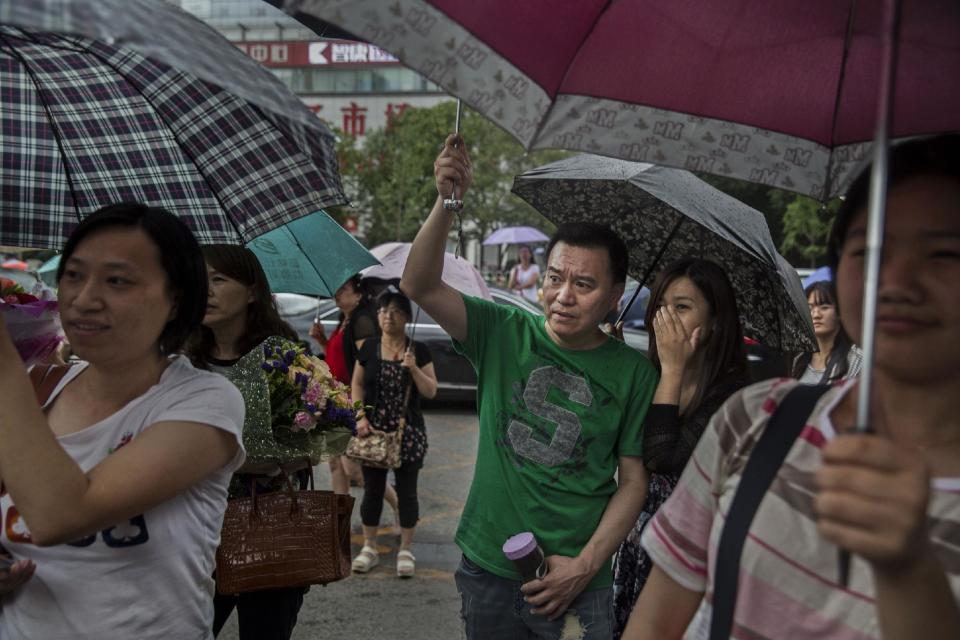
(392, 351)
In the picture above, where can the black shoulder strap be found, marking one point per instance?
(765, 460)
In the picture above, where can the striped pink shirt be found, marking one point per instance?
(788, 573)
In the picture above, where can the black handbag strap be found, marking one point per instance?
(765, 460)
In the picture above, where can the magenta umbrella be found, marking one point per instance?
(777, 92)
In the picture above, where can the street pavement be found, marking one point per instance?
(379, 605)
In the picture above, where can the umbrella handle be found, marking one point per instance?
(646, 276)
(627, 306)
(453, 203)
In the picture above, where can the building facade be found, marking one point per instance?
(353, 86)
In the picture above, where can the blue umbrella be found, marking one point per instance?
(312, 255)
(821, 274)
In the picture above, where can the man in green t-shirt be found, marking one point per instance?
(561, 412)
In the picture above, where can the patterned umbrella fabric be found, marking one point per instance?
(778, 92)
(311, 255)
(457, 272)
(516, 235)
(103, 101)
(665, 214)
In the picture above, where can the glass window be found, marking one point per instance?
(344, 81)
(322, 81)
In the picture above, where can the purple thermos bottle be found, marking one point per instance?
(527, 555)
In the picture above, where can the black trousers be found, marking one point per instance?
(270, 614)
(374, 485)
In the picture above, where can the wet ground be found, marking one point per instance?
(379, 605)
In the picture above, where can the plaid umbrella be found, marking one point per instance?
(103, 101)
(665, 214)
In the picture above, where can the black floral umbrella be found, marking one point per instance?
(665, 214)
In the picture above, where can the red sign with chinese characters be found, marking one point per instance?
(329, 53)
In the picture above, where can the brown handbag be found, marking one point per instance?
(284, 539)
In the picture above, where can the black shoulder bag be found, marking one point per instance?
(765, 460)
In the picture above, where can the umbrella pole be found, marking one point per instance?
(877, 211)
(876, 214)
(413, 330)
(646, 276)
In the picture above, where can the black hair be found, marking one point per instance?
(723, 353)
(360, 286)
(590, 235)
(263, 319)
(925, 156)
(837, 365)
(180, 258)
(397, 299)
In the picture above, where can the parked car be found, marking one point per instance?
(455, 375)
(635, 318)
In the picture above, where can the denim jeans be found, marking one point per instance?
(493, 607)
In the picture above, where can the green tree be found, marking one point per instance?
(806, 227)
(390, 178)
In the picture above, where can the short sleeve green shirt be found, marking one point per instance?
(553, 423)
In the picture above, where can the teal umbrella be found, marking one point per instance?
(48, 271)
(312, 255)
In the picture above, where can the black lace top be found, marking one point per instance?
(669, 438)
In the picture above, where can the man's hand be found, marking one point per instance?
(18, 574)
(872, 501)
(452, 168)
(565, 580)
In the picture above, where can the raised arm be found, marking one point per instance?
(421, 277)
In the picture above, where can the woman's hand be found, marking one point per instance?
(872, 501)
(675, 346)
(615, 330)
(316, 332)
(452, 169)
(409, 361)
(364, 428)
(19, 573)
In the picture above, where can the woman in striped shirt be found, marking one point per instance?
(891, 499)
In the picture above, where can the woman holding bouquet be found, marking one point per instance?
(356, 323)
(391, 374)
(241, 319)
(114, 485)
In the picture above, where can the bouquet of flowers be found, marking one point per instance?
(306, 399)
(32, 320)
